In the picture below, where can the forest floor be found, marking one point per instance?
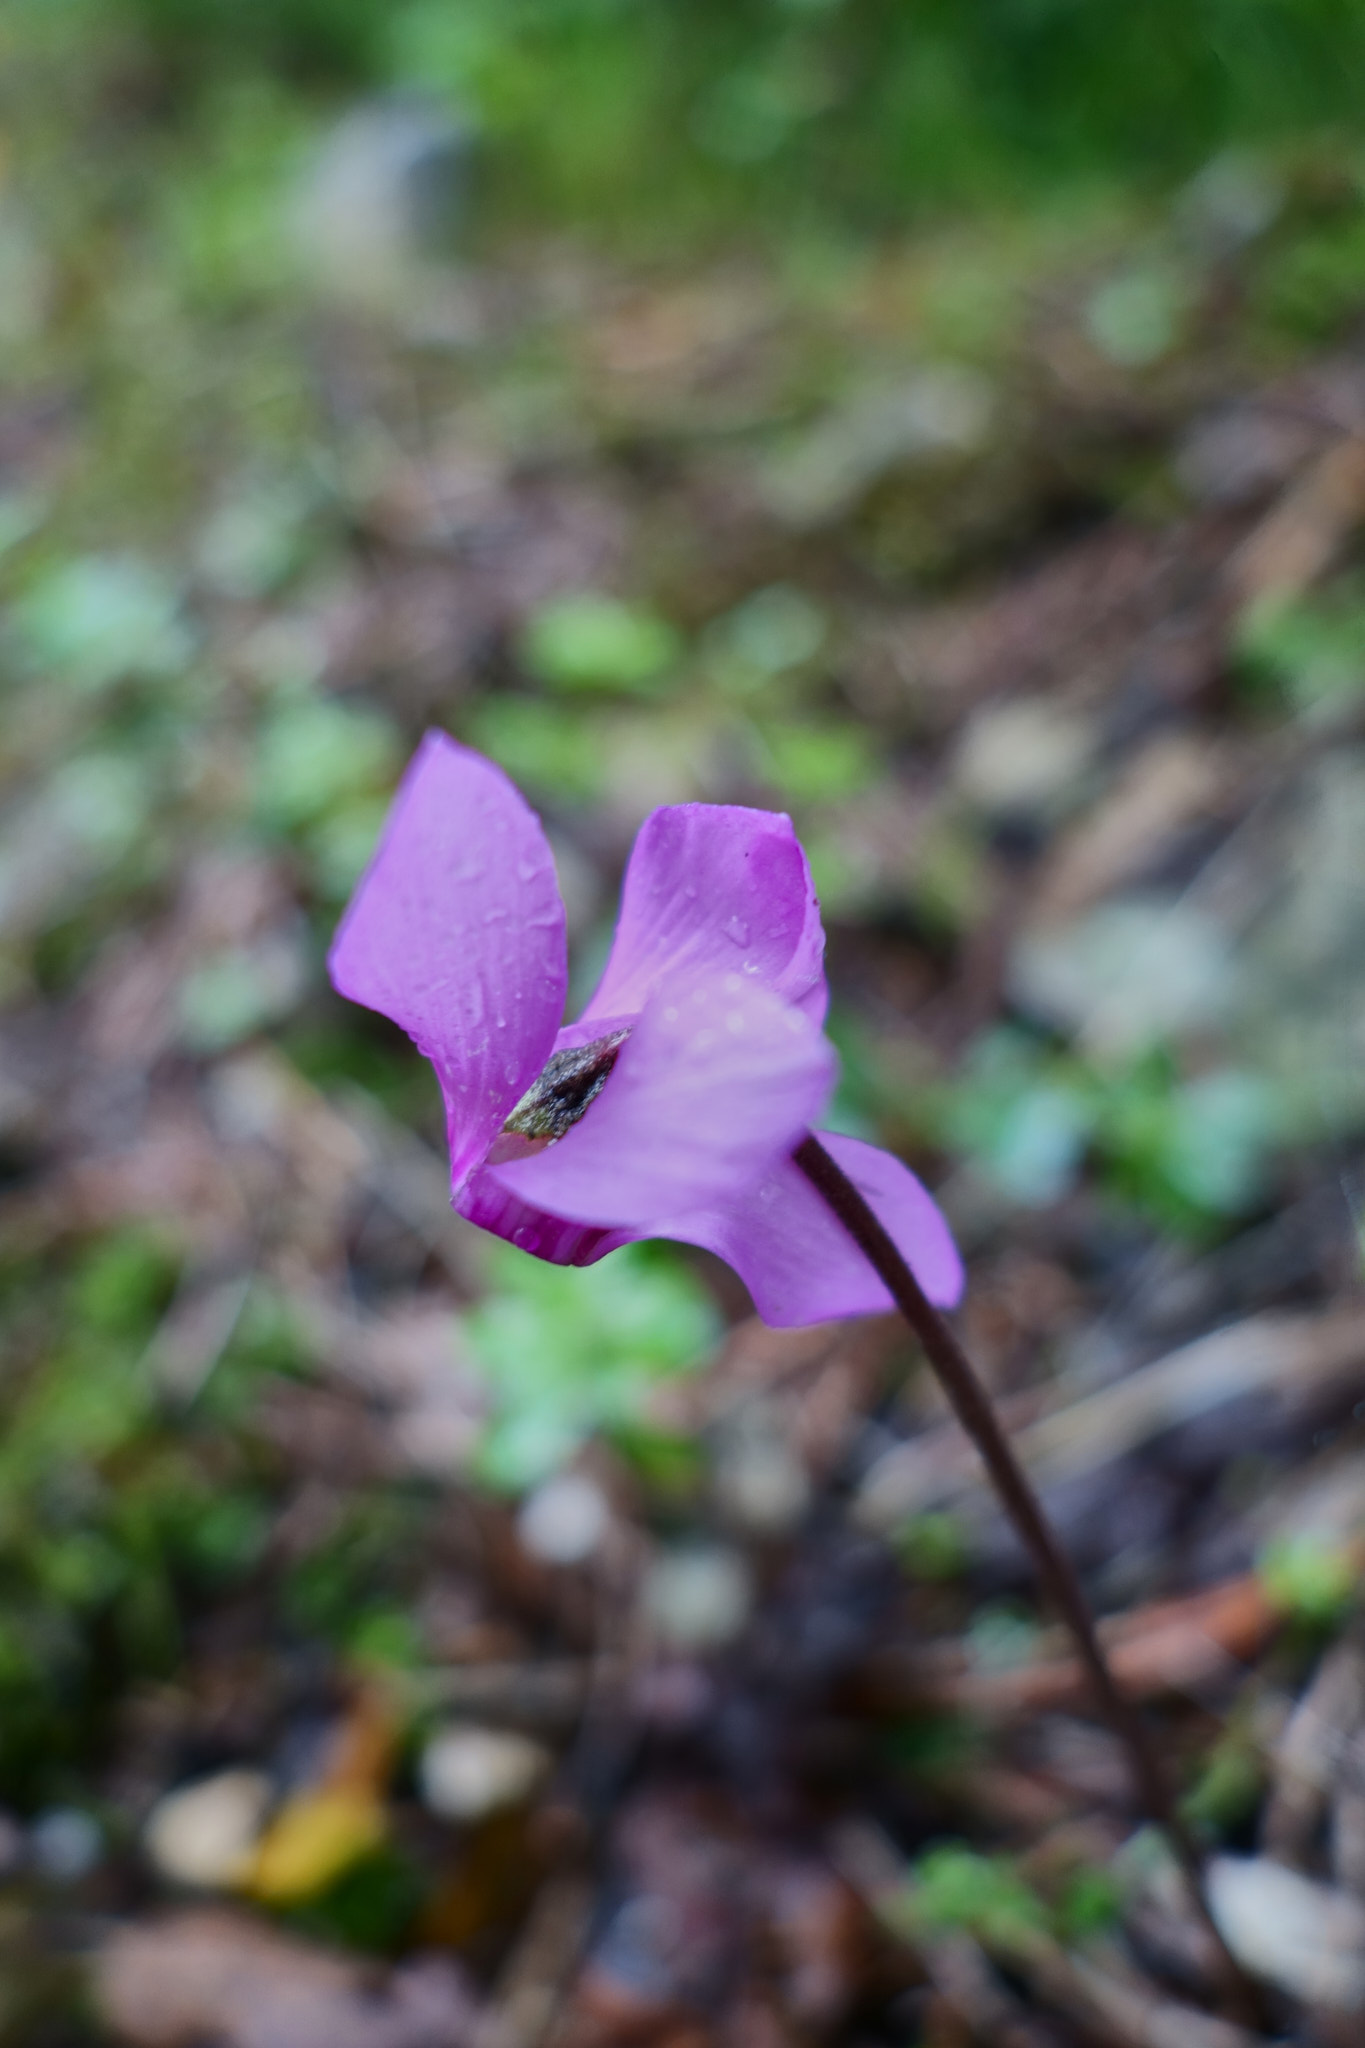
(406, 1646)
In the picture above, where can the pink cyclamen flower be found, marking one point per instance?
(670, 1109)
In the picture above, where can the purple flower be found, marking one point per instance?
(670, 1109)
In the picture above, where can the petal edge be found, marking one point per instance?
(456, 932)
(799, 1263)
(715, 889)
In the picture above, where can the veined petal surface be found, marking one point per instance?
(493, 1207)
(716, 889)
(456, 932)
(717, 1080)
(799, 1263)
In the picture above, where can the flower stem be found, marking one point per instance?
(976, 1412)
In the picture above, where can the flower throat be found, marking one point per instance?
(571, 1080)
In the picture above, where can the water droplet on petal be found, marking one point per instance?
(737, 929)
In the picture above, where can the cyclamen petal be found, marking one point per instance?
(711, 1001)
(456, 932)
(483, 1200)
(716, 889)
(718, 1079)
(799, 1263)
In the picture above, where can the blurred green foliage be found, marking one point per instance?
(954, 1887)
(124, 1284)
(1089, 1905)
(1187, 1152)
(777, 630)
(543, 746)
(343, 1590)
(1228, 1790)
(567, 1351)
(1306, 654)
(665, 109)
(315, 755)
(171, 576)
(97, 619)
(371, 1906)
(936, 1748)
(1310, 1578)
(117, 1513)
(591, 642)
(934, 1546)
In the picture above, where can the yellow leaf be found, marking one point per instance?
(313, 1838)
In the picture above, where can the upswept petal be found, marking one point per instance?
(497, 1209)
(717, 1080)
(716, 889)
(589, 1028)
(456, 932)
(799, 1263)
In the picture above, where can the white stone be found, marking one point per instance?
(564, 1520)
(940, 410)
(1137, 968)
(698, 1598)
(1302, 1936)
(205, 1834)
(376, 211)
(760, 1481)
(65, 1844)
(1023, 756)
(467, 1771)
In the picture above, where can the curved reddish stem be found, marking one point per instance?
(976, 1412)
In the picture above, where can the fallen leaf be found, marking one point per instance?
(203, 1975)
(315, 1837)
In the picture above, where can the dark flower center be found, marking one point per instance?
(571, 1080)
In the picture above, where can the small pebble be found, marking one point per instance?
(379, 199)
(205, 1834)
(65, 1844)
(1303, 1936)
(674, 1694)
(1027, 756)
(564, 1520)
(760, 1481)
(467, 1771)
(698, 1598)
